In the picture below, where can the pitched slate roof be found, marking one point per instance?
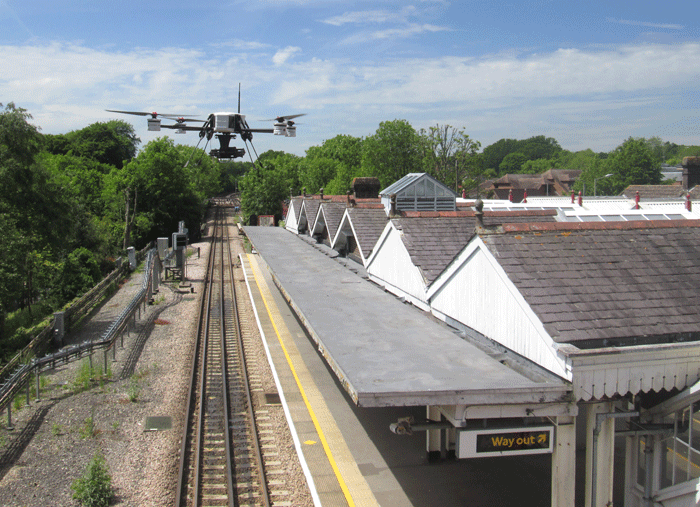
(310, 209)
(368, 223)
(607, 283)
(332, 214)
(654, 191)
(433, 239)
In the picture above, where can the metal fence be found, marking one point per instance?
(23, 369)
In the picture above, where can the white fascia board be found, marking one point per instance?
(302, 215)
(475, 245)
(319, 224)
(400, 293)
(345, 218)
(382, 238)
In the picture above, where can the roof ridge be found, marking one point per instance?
(583, 226)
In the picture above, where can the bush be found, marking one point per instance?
(94, 488)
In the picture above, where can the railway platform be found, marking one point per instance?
(351, 359)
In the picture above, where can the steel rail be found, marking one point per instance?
(264, 490)
(192, 398)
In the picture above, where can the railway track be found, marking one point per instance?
(223, 462)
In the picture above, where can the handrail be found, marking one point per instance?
(21, 375)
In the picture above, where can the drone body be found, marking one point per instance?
(224, 125)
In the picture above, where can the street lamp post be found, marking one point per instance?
(596, 180)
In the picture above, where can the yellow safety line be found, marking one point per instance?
(329, 454)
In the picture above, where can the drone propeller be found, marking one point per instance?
(285, 118)
(176, 117)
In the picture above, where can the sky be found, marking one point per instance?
(589, 74)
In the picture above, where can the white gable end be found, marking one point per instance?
(291, 222)
(390, 265)
(476, 292)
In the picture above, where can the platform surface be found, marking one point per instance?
(386, 353)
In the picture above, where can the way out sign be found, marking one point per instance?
(504, 442)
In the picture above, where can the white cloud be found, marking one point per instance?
(578, 96)
(646, 24)
(375, 16)
(407, 31)
(285, 54)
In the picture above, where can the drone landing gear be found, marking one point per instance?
(226, 152)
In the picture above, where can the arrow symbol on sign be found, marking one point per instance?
(542, 439)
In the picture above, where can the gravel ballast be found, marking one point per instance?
(54, 439)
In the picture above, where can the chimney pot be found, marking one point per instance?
(479, 214)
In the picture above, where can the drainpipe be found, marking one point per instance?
(599, 419)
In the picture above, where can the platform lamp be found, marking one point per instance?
(596, 180)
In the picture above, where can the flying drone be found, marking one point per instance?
(225, 126)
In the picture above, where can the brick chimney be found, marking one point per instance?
(366, 188)
(691, 172)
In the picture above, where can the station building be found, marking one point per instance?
(603, 297)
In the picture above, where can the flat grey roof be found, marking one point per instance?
(384, 352)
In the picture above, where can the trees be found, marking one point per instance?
(268, 184)
(533, 148)
(512, 163)
(394, 151)
(631, 163)
(343, 159)
(448, 153)
(111, 143)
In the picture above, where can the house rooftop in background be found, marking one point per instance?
(550, 183)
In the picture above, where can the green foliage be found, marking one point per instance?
(512, 163)
(19, 140)
(111, 143)
(332, 165)
(160, 191)
(134, 390)
(264, 188)
(394, 151)
(631, 163)
(448, 155)
(79, 273)
(88, 429)
(231, 173)
(533, 148)
(315, 172)
(94, 487)
(88, 375)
